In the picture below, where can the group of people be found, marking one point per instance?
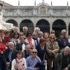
(34, 51)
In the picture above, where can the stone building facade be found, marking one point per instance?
(44, 16)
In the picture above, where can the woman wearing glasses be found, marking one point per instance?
(52, 49)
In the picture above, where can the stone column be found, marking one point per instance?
(18, 21)
(67, 25)
(51, 23)
(50, 27)
(67, 28)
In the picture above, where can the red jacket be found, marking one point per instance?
(2, 47)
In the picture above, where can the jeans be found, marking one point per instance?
(1, 63)
(7, 68)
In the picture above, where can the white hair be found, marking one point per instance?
(9, 43)
(25, 27)
(16, 28)
(63, 31)
(36, 28)
(34, 50)
(66, 48)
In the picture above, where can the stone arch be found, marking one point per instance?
(58, 25)
(43, 25)
(27, 23)
(12, 21)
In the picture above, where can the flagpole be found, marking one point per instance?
(51, 3)
(35, 3)
(18, 2)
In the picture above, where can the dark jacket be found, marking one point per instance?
(40, 66)
(26, 54)
(19, 46)
(62, 61)
(41, 52)
(6, 55)
(62, 43)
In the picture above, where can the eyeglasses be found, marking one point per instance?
(34, 52)
(52, 38)
(33, 35)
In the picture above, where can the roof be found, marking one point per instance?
(2, 3)
(9, 6)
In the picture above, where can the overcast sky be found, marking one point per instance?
(31, 2)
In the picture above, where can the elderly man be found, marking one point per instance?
(25, 30)
(63, 59)
(36, 30)
(32, 60)
(27, 51)
(63, 40)
(9, 55)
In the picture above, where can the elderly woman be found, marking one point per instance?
(52, 48)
